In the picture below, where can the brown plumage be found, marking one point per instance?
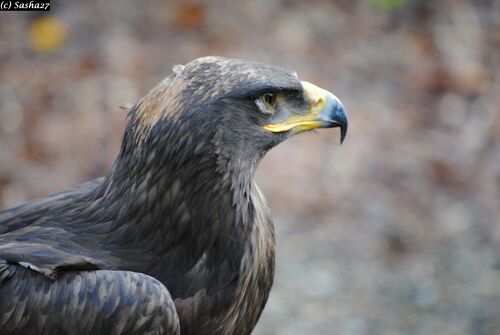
(176, 238)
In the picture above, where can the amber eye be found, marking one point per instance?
(270, 99)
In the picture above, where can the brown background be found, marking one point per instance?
(395, 232)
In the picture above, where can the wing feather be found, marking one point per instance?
(84, 302)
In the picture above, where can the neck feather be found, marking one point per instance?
(189, 186)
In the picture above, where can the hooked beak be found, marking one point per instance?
(325, 111)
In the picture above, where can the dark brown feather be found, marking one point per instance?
(178, 215)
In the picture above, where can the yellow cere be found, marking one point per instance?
(316, 97)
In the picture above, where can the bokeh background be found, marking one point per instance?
(395, 232)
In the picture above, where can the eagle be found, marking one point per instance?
(176, 238)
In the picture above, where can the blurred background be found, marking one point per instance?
(395, 232)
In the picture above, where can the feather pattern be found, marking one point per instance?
(175, 239)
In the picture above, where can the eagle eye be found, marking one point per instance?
(270, 99)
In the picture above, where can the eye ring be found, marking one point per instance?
(270, 99)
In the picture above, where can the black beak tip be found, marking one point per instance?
(335, 115)
(341, 118)
(343, 133)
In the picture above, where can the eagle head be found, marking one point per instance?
(243, 108)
